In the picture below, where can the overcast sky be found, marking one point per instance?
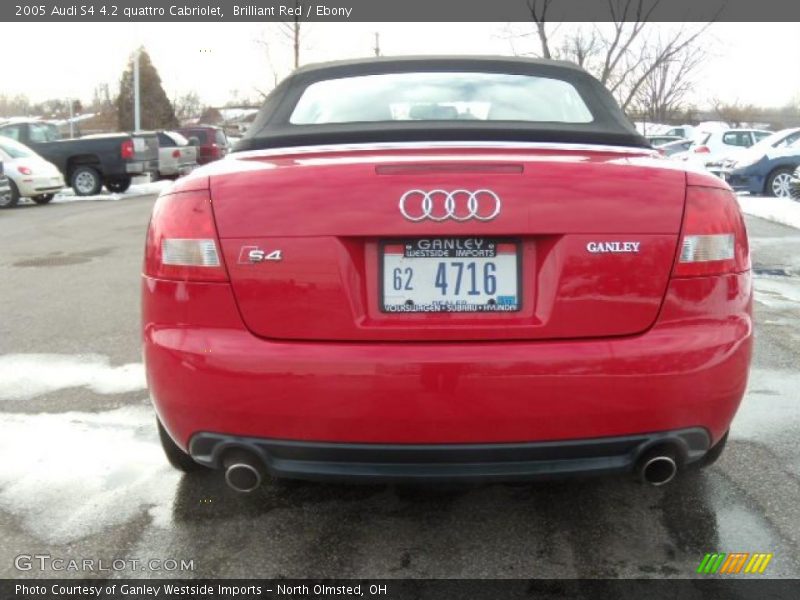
(749, 62)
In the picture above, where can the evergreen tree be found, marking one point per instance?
(156, 111)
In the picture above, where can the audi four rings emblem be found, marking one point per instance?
(459, 205)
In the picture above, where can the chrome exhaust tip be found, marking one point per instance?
(657, 467)
(659, 470)
(243, 472)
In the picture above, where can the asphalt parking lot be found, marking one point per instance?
(83, 476)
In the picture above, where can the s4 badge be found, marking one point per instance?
(249, 255)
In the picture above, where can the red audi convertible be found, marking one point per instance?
(445, 269)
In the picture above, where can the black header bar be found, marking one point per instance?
(392, 10)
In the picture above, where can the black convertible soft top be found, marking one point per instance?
(272, 129)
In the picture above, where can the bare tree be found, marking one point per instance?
(581, 47)
(276, 36)
(621, 54)
(187, 106)
(665, 90)
(291, 31)
(735, 113)
(538, 10)
(15, 106)
(265, 43)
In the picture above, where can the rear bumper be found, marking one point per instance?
(169, 170)
(141, 167)
(207, 373)
(39, 185)
(448, 462)
(742, 182)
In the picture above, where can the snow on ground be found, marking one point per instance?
(25, 376)
(770, 408)
(780, 210)
(136, 189)
(82, 473)
(777, 292)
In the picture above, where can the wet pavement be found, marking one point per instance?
(83, 476)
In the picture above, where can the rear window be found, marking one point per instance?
(738, 138)
(15, 149)
(165, 141)
(200, 134)
(12, 132)
(786, 141)
(43, 132)
(169, 139)
(220, 138)
(440, 97)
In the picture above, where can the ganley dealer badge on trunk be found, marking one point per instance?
(612, 247)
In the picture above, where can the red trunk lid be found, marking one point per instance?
(595, 231)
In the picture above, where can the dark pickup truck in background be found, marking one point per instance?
(90, 162)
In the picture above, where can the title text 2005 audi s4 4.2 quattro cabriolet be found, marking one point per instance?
(445, 269)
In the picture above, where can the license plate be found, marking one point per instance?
(450, 275)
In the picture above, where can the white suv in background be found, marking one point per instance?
(710, 149)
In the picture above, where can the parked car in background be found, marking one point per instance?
(176, 156)
(710, 149)
(684, 132)
(5, 189)
(90, 162)
(779, 140)
(660, 140)
(673, 148)
(211, 141)
(30, 176)
(768, 171)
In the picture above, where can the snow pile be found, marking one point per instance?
(780, 210)
(138, 189)
(25, 376)
(75, 474)
(777, 292)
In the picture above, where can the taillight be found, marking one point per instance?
(24, 170)
(182, 239)
(126, 149)
(713, 237)
(214, 151)
(702, 150)
(176, 154)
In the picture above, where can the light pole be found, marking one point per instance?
(137, 124)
